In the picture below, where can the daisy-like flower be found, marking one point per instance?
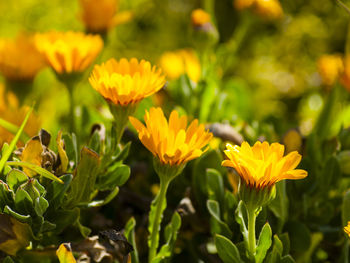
(347, 229)
(125, 81)
(178, 62)
(173, 143)
(69, 52)
(263, 165)
(19, 59)
(199, 17)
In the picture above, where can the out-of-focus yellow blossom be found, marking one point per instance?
(347, 229)
(173, 143)
(243, 4)
(12, 113)
(69, 52)
(293, 141)
(263, 165)
(233, 179)
(215, 143)
(345, 77)
(101, 15)
(330, 68)
(270, 9)
(199, 17)
(179, 62)
(19, 58)
(126, 82)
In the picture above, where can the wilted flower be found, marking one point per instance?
(330, 68)
(347, 229)
(263, 165)
(19, 59)
(69, 52)
(172, 142)
(126, 82)
(179, 62)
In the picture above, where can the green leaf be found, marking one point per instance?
(63, 218)
(207, 99)
(286, 243)
(279, 206)
(84, 231)
(8, 259)
(37, 169)
(117, 177)
(300, 236)
(227, 251)
(15, 178)
(264, 243)
(71, 144)
(83, 183)
(40, 205)
(6, 195)
(19, 217)
(109, 198)
(215, 185)
(276, 253)
(23, 202)
(56, 191)
(123, 153)
(129, 232)
(287, 259)
(241, 219)
(6, 155)
(214, 211)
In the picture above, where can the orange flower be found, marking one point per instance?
(330, 68)
(19, 58)
(126, 82)
(199, 17)
(270, 9)
(69, 52)
(263, 165)
(172, 142)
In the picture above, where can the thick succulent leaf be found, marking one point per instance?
(227, 251)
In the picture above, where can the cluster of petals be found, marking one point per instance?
(263, 165)
(125, 81)
(172, 142)
(347, 229)
(69, 52)
(19, 58)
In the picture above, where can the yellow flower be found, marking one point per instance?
(126, 82)
(199, 17)
(180, 62)
(263, 165)
(270, 9)
(69, 52)
(12, 113)
(172, 142)
(347, 229)
(243, 4)
(19, 58)
(330, 68)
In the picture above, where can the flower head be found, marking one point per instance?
(180, 62)
(330, 68)
(270, 9)
(263, 165)
(243, 4)
(172, 142)
(126, 82)
(199, 17)
(347, 229)
(19, 59)
(98, 15)
(69, 52)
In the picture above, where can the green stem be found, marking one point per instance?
(71, 109)
(164, 183)
(251, 230)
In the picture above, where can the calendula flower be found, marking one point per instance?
(263, 165)
(11, 112)
(69, 52)
(243, 4)
(179, 62)
(19, 59)
(270, 9)
(126, 82)
(199, 17)
(330, 68)
(171, 142)
(347, 229)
